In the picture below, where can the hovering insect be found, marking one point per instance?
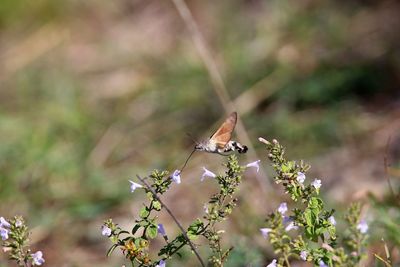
(220, 142)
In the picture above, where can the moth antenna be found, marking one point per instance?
(187, 160)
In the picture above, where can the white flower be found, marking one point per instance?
(316, 183)
(18, 223)
(322, 264)
(37, 258)
(176, 176)
(262, 140)
(4, 233)
(105, 230)
(282, 208)
(205, 207)
(4, 223)
(332, 220)
(207, 173)
(303, 255)
(363, 227)
(134, 186)
(265, 232)
(300, 177)
(272, 264)
(291, 226)
(254, 164)
(161, 264)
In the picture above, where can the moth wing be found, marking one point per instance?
(224, 133)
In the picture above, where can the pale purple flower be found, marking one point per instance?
(316, 183)
(134, 186)
(286, 219)
(105, 230)
(332, 220)
(205, 207)
(322, 264)
(291, 226)
(37, 258)
(176, 176)
(161, 230)
(4, 223)
(303, 255)
(161, 264)
(265, 232)
(282, 209)
(300, 177)
(272, 264)
(18, 223)
(363, 227)
(4, 233)
(207, 173)
(254, 164)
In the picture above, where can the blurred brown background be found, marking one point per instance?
(94, 92)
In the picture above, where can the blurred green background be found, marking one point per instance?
(94, 92)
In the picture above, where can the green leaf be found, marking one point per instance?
(112, 248)
(156, 205)
(135, 228)
(152, 231)
(144, 212)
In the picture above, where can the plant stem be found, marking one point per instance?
(174, 218)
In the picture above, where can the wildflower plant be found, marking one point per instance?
(136, 243)
(15, 241)
(308, 232)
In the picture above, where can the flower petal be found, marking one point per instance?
(176, 176)
(282, 208)
(161, 230)
(134, 186)
(272, 264)
(207, 173)
(254, 164)
(265, 232)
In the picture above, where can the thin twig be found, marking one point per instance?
(217, 81)
(174, 218)
(385, 162)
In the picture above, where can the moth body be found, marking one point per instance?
(220, 142)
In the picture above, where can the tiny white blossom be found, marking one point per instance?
(303, 255)
(316, 183)
(322, 264)
(134, 186)
(18, 223)
(254, 164)
(291, 226)
(282, 208)
(161, 264)
(205, 207)
(176, 176)
(37, 258)
(272, 264)
(265, 232)
(4, 223)
(4, 233)
(301, 177)
(332, 220)
(207, 173)
(105, 230)
(363, 227)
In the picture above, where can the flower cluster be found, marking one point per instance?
(135, 243)
(15, 236)
(316, 239)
